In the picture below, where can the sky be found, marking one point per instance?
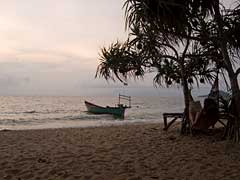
(51, 47)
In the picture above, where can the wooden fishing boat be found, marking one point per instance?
(117, 111)
(96, 109)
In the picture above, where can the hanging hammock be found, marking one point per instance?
(216, 94)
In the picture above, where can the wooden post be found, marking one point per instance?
(165, 121)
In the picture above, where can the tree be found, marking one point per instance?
(147, 52)
(227, 26)
(159, 28)
(176, 18)
(157, 36)
(174, 21)
(220, 32)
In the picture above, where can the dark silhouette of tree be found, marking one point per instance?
(216, 26)
(181, 39)
(220, 32)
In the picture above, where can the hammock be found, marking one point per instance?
(217, 94)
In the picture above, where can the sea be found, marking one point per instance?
(41, 112)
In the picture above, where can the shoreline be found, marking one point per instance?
(129, 151)
(95, 125)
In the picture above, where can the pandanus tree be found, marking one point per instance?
(175, 22)
(177, 18)
(162, 33)
(220, 30)
(228, 22)
(147, 52)
(120, 61)
(158, 29)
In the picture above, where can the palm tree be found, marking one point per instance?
(229, 40)
(224, 36)
(120, 61)
(159, 27)
(172, 21)
(177, 21)
(132, 59)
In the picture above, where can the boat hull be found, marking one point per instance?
(116, 111)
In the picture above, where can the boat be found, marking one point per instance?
(117, 111)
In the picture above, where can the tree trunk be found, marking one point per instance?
(185, 123)
(234, 125)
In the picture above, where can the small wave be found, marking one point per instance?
(15, 121)
(30, 112)
(89, 117)
(18, 112)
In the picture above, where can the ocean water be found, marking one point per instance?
(39, 112)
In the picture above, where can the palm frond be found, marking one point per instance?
(119, 61)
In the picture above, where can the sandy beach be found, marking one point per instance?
(140, 151)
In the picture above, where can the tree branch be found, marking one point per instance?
(169, 57)
(171, 47)
(237, 72)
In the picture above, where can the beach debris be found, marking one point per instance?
(154, 129)
(41, 160)
(172, 137)
(154, 177)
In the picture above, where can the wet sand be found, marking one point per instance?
(140, 151)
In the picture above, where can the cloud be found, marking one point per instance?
(52, 46)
